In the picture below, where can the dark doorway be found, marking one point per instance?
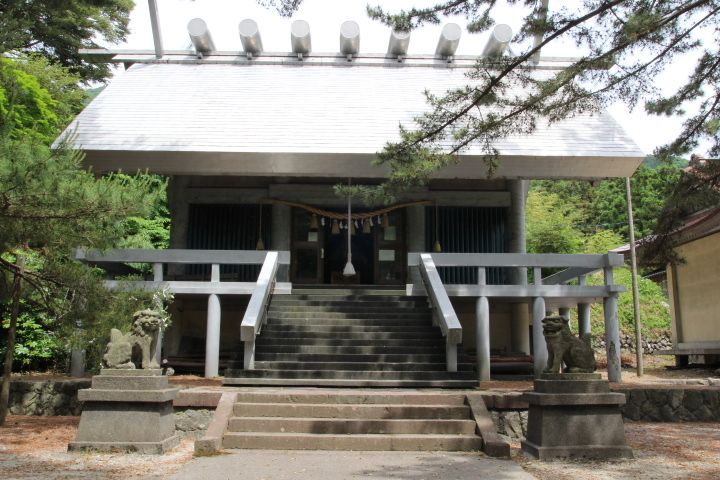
(363, 248)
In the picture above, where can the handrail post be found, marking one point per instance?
(256, 310)
(583, 312)
(539, 346)
(158, 277)
(444, 312)
(215, 272)
(482, 332)
(612, 331)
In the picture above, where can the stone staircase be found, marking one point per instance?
(293, 419)
(350, 337)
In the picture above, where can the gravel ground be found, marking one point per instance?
(35, 447)
(662, 451)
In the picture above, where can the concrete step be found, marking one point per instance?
(269, 340)
(344, 382)
(350, 426)
(352, 350)
(356, 313)
(334, 396)
(303, 441)
(351, 298)
(393, 292)
(348, 308)
(335, 330)
(283, 301)
(361, 366)
(295, 320)
(354, 334)
(350, 357)
(351, 411)
(352, 374)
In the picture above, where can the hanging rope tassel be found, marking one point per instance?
(349, 270)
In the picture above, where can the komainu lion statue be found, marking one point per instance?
(564, 347)
(137, 348)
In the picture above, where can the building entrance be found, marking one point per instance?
(319, 250)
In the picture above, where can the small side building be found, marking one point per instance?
(693, 288)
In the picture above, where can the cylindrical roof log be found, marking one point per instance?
(399, 43)
(200, 36)
(300, 37)
(349, 38)
(499, 40)
(449, 40)
(250, 36)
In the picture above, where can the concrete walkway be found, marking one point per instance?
(340, 465)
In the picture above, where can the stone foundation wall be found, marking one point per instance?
(690, 404)
(46, 397)
(59, 398)
(627, 343)
(672, 405)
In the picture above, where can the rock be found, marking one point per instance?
(192, 420)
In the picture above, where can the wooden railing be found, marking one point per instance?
(554, 287)
(159, 258)
(443, 312)
(259, 291)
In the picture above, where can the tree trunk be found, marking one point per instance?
(10, 353)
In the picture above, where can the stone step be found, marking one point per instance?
(362, 366)
(351, 411)
(350, 426)
(351, 350)
(344, 382)
(357, 333)
(334, 396)
(304, 441)
(350, 357)
(352, 374)
(268, 340)
(355, 313)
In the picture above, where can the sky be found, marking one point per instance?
(325, 18)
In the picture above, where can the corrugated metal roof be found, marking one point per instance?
(300, 110)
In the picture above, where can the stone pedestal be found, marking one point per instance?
(575, 416)
(127, 410)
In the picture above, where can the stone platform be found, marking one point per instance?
(575, 416)
(127, 410)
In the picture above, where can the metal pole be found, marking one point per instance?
(636, 294)
(155, 24)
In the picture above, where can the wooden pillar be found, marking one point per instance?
(519, 319)
(482, 332)
(212, 337)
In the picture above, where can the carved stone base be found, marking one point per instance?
(127, 410)
(575, 418)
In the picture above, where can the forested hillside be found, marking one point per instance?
(584, 217)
